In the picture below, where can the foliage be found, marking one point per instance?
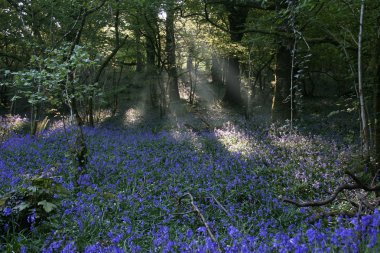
(25, 208)
(47, 81)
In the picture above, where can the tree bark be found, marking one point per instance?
(237, 17)
(281, 103)
(216, 71)
(139, 54)
(363, 114)
(377, 106)
(150, 54)
(170, 54)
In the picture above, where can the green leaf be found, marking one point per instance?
(333, 113)
(3, 201)
(32, 189)
(42, 182)
(14, 98)
(47, 206)
(22, 206)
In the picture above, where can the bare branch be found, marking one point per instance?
(326, 201)
(220, 205)
(196, 209)
(358, 185)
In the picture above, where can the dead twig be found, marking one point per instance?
(202, 218)
(220, 205)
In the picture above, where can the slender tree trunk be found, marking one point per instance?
(74, 107)
(150, 70)
(150, 54)
(3, 95)
(363, 117)
(376, 68)
(118, 44)
(139, 54)
(170, 54)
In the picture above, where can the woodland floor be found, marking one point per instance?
(149, 181)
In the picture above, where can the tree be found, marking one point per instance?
(54, 81)
(236, 18)
(375, 69)
(281, 106)
(118, 44)
(170, 50)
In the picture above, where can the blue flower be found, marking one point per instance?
(70, 248)
(7, 211)
(233, 232)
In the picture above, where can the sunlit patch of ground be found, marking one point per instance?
(133, 115)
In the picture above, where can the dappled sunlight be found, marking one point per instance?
(133, 116)
(235, 140)
(312, 160)
(102, 115)
(134, 108)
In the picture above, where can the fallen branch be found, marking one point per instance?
(220, 205)
(326, 201)
(358, 185)
(196, 210)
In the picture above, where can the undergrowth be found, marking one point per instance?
(128, 199)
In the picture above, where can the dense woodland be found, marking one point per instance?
(189, 126)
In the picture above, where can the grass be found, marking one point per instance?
(128, 198)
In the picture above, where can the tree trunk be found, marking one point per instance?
(118, 44)
(281, 104)
(84, 13)
(139, 54)
(237, 17)
(363, 114)
(3, 96)
(170, 54)
(377, 107)
(150, 70)
(216, 71)
(150, 54)
(233, 94)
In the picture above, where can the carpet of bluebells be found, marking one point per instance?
(128, 199)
